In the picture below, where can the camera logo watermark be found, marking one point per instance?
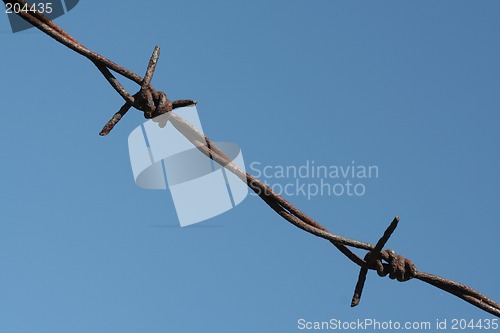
(52, 9)
(311, 179)
(200, 188)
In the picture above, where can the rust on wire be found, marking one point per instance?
(153, 103)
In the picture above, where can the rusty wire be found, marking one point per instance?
(155, 103)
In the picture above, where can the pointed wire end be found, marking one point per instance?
(387, 234)
(395, 222)
(105, 130)
(156, 52)
(183, 103)
(355, 300)
(113, 121)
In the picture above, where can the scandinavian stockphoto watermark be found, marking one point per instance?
(161, 157)
(311, 179)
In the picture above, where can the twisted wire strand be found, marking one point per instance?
(155, 103)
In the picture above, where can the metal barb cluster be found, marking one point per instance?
(397, 266)
(153, 103)
(148, 100)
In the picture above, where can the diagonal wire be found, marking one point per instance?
(385, 262)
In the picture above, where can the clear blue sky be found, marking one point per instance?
(411, 87)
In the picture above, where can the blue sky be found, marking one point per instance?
(411, 87)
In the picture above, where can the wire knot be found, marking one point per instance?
(152, 102)
(397, 266)
(148, 100)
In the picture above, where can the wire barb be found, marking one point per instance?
(151, 69)
(396, 266)
(154, 103)
(115, 119)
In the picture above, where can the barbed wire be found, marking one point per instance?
(154, 103)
